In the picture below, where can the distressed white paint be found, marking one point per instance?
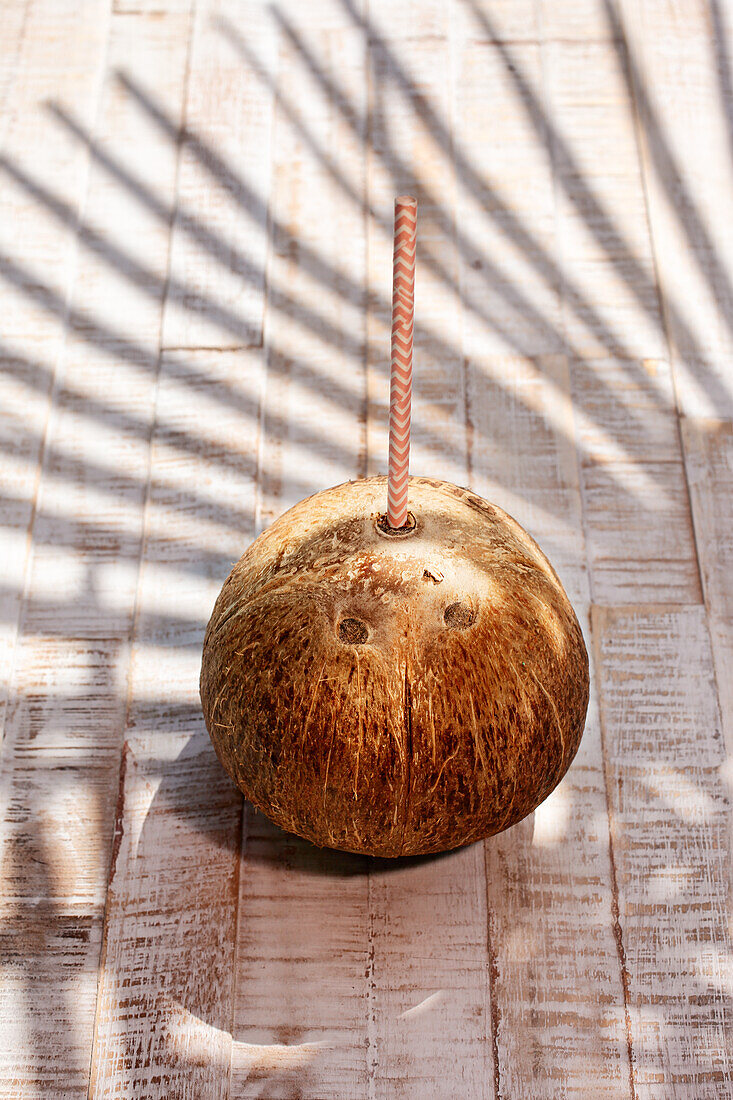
(300, 1014)
(709, 455)
(219, 239)
(65, 720)
(522, 967)
(428, 918)
(663, 742)
(680, 65)
(44, 55)
(165, 1010)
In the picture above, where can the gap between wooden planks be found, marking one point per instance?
(530, 1022)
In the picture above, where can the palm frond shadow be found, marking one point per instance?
(64, 618)
(102, 335)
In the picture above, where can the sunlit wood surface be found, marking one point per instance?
(195, 288)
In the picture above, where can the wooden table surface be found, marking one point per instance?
(195, 284)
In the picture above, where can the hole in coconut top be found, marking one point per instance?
(459, 615)
(383, 527)
(353, 631)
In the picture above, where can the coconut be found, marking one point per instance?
(394, 692)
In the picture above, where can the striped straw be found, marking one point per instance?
(400, 394)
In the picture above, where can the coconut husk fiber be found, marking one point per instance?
(394, 694)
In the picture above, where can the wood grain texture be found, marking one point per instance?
(556, 988)
(220, 232)
(428, 978)
(709, 459)
(164, 1016)
(509, 278)
(300, 1016)
(679, 63)
(611, 306)
(13, 26)
(313, 419)
(635, 496)
(65, 721)
(573, 295)
(558, 1026)
(43, 55)
(164, 1008)
(429, 996)
(635, 500)
(406, 158)
(583, 238)
(671, 837)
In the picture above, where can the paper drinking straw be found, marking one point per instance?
(400, 390)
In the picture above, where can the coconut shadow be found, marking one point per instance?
(263, 842)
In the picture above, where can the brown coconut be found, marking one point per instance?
(394, 694)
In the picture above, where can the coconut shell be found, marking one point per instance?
(394, 694)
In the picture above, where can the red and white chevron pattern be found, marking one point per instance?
(400, 395)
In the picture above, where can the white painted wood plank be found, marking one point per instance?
(640, 539)
(429, 982)
(574, 213)
(558, 1020)
(404, 159)
(671, 843)
(61, 56)
(636, 505)
(152, 8)
(506, 215)
(640, 536)
(522, 22)
(164, 1005)
(219, 253)
(680, 65)
(165, 1009)
(542, 76)
(314, 416)
(13, 25)
(625, 411)
(522, 455)
(301, 1013)
(430, 1017)
(557, 995)
(43, 55)
(568, 20)
(602, 222)
(709, 459)
(65, 722)
(301, 1016)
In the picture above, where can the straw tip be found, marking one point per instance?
(405, 200)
